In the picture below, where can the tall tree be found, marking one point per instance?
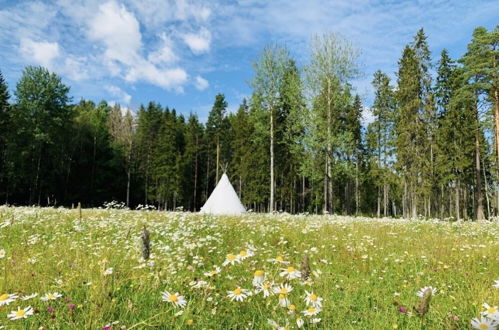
(267, 84)
(43, 119)
(332, 65)
(4, 125)
(216, 126)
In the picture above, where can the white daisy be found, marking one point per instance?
(491, 312)
(51, 296)
(299, 322)
(33, 295)
(483, 323)
(496, 284)
(20, 313)
(173, 298)
(266, 288)
(283, 300)
(290, 273)
(213, 272)
(231, 259)
(278, 260)
(244, 254)
(311, 311)
(312, 299)
(7, 298)
(2, 253)
(283, 289)
(421, 291)
(238, 294)
(258, 278)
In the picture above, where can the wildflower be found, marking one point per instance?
(71, 306)
(190, 322)
(312, 299)
(278, 260)
(50, 309)
(258, 277)
(33, 295)
(283, 300)
(214, 272)
(231, 259)
(174, 298)
(395, 326)
(7, 298)
(2, 253)
(496, 284)
(483, 323)
(20, 313)
(290, 273)
(244, 254)
(51, 296)
(299, 322)
(421, 291)
(311, 311)
(108, 271)
(291, 308)
(283, 289)
(491, 312)
(273, 323)
(315, 320)
(266, 288)
(238, 294)
(403, 309)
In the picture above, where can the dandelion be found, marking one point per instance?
(20, 313)
(238, 294)
(422, 291)
(312, 299)
(311, 311)
(31, 296)
(483, 323)
(490, 311)
(258, 277)
(174, 298)
(231, 259)
(290, 273)
(213, 272)
(283, 289)
(7, 298)
(51, 296)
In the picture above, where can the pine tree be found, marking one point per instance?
(4, 125)
(215, 127)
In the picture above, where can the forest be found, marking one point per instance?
(297, 145)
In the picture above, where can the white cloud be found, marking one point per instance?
(198, 42)
(167, 78)
(201, 83)
(115, 91)
(42, 52)
(118, 30)
(165, 53)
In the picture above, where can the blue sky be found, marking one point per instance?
(181, 53)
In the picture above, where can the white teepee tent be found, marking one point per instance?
(223, 200)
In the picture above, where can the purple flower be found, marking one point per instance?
(71, 306)
(403, 309)
(67, 300)
(50, 309)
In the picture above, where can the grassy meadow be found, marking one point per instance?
(251, 272)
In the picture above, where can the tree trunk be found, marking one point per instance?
(486, 189)
(218, 158)
(385, 199)
(378, 210)
(325, 210)
(194, 201)
(478, 191)
(357, 195)
(404, 201)
(271, 204)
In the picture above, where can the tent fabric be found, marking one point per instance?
(223, 200)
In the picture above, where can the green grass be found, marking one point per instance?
(363, 268)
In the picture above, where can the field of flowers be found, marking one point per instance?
(60, 271)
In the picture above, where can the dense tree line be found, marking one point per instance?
(297, 145)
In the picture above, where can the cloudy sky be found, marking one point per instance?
(181, 53)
